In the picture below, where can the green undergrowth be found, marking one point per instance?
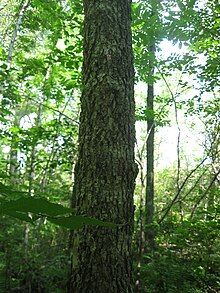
(186, 260)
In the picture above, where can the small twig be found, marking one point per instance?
(53, 150)
(173, 96)
(194, 186)
(3, 7)
(55, 110)
(204, 194)
(180, 189)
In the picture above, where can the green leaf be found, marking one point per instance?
(15, 129)
(21, 207)
(8, 191)
(77, 222)
(3, 175)
(71, 222)
(95, 222)
(35, 205)
(20, 216)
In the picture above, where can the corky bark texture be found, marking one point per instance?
(105, 172)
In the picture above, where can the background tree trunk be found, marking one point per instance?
(149, 202)
(105, 172)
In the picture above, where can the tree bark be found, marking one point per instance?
(13, 155)
(24, 6)
(149, 202)
(105, 172)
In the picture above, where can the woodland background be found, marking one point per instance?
(40, 88)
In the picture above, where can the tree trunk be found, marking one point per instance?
(149, 202)
(105, 172)
(13, 155)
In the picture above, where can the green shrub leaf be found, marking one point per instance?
(77, 222)
(35, 205)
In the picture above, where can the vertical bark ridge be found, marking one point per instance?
(105, 172)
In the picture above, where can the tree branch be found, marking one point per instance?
(180, 189)
(204, 194)
(24, 7)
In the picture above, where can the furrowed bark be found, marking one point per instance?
(105, 172)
